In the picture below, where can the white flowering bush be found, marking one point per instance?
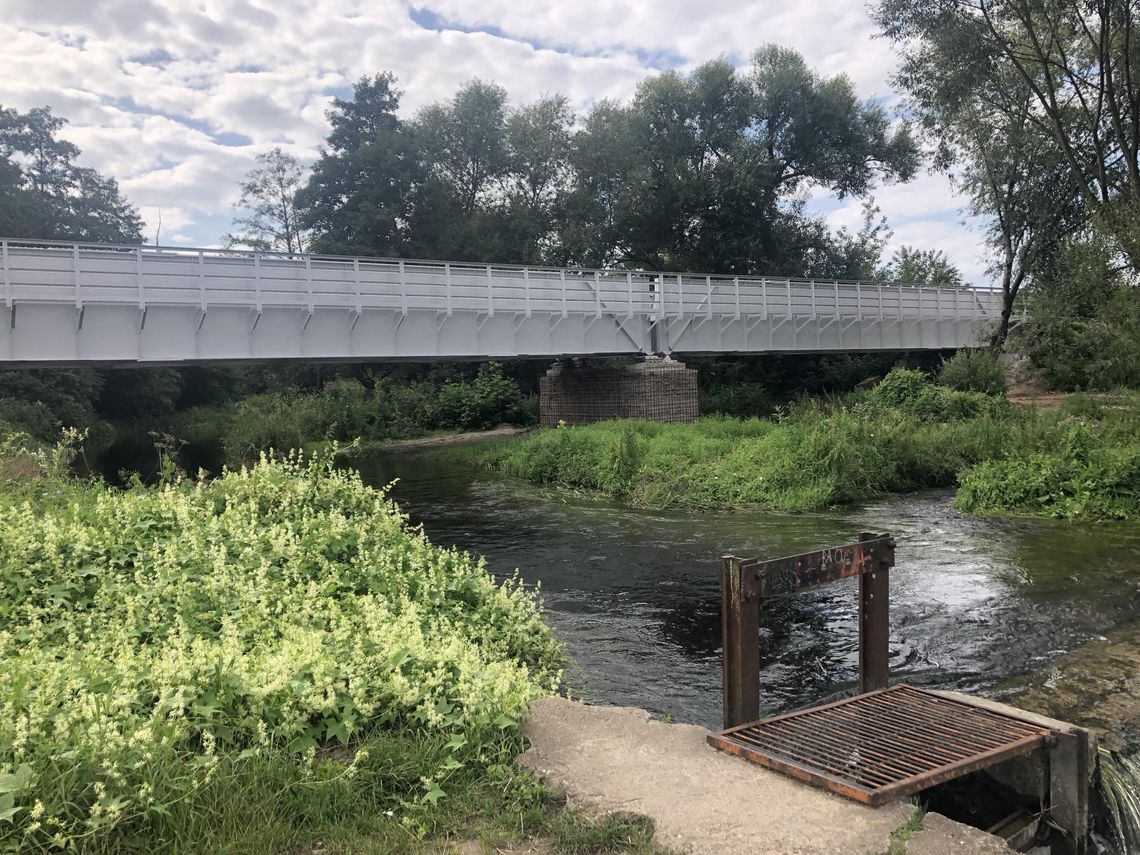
(149, 634)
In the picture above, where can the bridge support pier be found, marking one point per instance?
(657, 389)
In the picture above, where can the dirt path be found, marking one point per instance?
(443, 440)
(703, 802)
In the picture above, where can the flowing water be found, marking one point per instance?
(635, 595)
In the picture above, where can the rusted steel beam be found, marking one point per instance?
(740, 622)
(874, 610)
(785, 575)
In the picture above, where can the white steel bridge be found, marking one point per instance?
(73, 303)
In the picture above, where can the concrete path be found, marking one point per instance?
(610, 759)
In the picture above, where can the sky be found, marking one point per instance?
(175, 98)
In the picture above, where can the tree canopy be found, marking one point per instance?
(701, 171)
(45, 194)
(1034, 107)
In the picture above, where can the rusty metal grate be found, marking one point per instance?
(883, 744)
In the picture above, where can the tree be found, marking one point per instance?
(44, 194)
(983, 121)
(538, 173)
(464, 141)
(921, 267)
(703, 171)
(267, 193)
(1077, 65)
(358, 199)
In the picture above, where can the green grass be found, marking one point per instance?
(904, 435)
(905, 832)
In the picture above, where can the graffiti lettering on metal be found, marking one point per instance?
(785, 575)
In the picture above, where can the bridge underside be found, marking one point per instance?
(62, 334)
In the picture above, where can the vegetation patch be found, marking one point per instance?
(905, 434)
(241, 663)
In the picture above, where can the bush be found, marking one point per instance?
(490, 399)
(1084, 330)
(738, 399)
(1084, 479)
(911, 392)
(157, 642)
(973, 371)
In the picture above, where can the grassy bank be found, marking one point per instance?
(255, 664)
(1082, 461)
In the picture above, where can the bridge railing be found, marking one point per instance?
(92, 274)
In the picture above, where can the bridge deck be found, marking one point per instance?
(86, 302)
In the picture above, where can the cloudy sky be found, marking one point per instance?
(174, 98)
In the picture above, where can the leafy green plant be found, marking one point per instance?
(159, 644)
(971, 370)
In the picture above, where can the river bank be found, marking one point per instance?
(1081, 461)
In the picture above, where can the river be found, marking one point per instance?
(635, 595)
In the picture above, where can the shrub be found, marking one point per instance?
(1084, 330)
(737, 399)
(1084, 479)
(911, 392)
(488, 400)
(973, 371)
(155, 640)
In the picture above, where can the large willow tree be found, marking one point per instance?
(700, 171)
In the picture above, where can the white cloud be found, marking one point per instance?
(175, 99)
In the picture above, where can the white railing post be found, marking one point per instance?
(597, 294)
(836, 299)
(814, 312)
(7, 277)
(447, 288)
(680, 296)
(202, 283)
(257, 281)
(139, 276)
(629, 287)
(309, 286)
(736, 294)
(526, 289)
(859, 301)
(708, 288)
(75, 266)
(403, 289)
(356, 286)
(562, 281)
(490, 296)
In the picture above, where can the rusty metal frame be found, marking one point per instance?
(745, 583)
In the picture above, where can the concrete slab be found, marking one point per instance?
(703, 801)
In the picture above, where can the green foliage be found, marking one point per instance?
(45, 194)
(699, 171)
(911, 392)
(267, 198)
(1085, 321)
(906, 434)
(279, 632)
(737, 399)
(815, 456)
(1083, 477)
(973, 371)
(488, 400)
(348, 409)
(921, 267)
